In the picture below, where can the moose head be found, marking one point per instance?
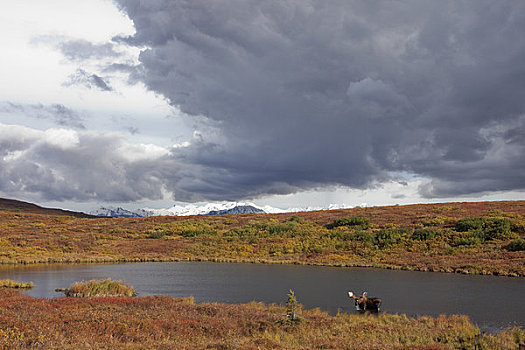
(364, 303)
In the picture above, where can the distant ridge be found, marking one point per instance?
(240, 209)
(210, 208)
(25, 207)
(120, 213)
(205, 210)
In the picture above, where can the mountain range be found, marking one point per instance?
(120, 212)
(223, 208)
(184, 210)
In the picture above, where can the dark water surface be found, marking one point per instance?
(491, 302)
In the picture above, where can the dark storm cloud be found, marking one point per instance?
(501, 167)
(81, 77)
(294, 95)
(58, 113)
(313, 93)
(83, 49)
(61, 164)
(120, 67)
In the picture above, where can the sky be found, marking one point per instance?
(290, 103)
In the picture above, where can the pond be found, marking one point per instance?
(493, 303)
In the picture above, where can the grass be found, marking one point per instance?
(169, 323)
(7, 283)
(99, 288)
(470, 238)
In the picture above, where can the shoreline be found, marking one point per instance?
(462, 271)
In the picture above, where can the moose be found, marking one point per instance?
(364, 303)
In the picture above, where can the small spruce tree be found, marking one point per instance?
(291, 306)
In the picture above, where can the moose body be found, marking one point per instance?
(364, 303)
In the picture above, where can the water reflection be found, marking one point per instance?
(413, 293)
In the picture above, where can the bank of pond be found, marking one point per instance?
(492, 303)
(164, 322)
(472, 238)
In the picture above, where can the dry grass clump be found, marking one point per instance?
(14, 284)
(98, 288)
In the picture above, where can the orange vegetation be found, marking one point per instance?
(415, 237)
(168, 323)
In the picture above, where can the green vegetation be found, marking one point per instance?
(7, 283)
(468, 224)
(292, 307)
(487, 228)
(388, 237)
(353, 221)
(516, 245)
(96, 288)
(471, 238)
(424, 234)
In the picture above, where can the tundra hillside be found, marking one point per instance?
(473, 238)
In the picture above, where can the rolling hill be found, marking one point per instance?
(471, 237)
(25, 207)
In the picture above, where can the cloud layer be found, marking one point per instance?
(314, 93)
(57, 113)
(91, 81)
(63, 164)
(293, 95)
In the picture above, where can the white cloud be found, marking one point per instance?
(137, 152)
(63, 138)
(182, 144)
(46, 43)
(37, 70)
(65, 164)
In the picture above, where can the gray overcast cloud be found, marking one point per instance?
(281, 97)
(59, 114)
(81, 77)
(61, 164)
(304, 94)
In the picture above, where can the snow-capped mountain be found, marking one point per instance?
(207, 208)
(120, 212)
(221, 208)
(187, 210)
(310, 208)
(240, 209)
